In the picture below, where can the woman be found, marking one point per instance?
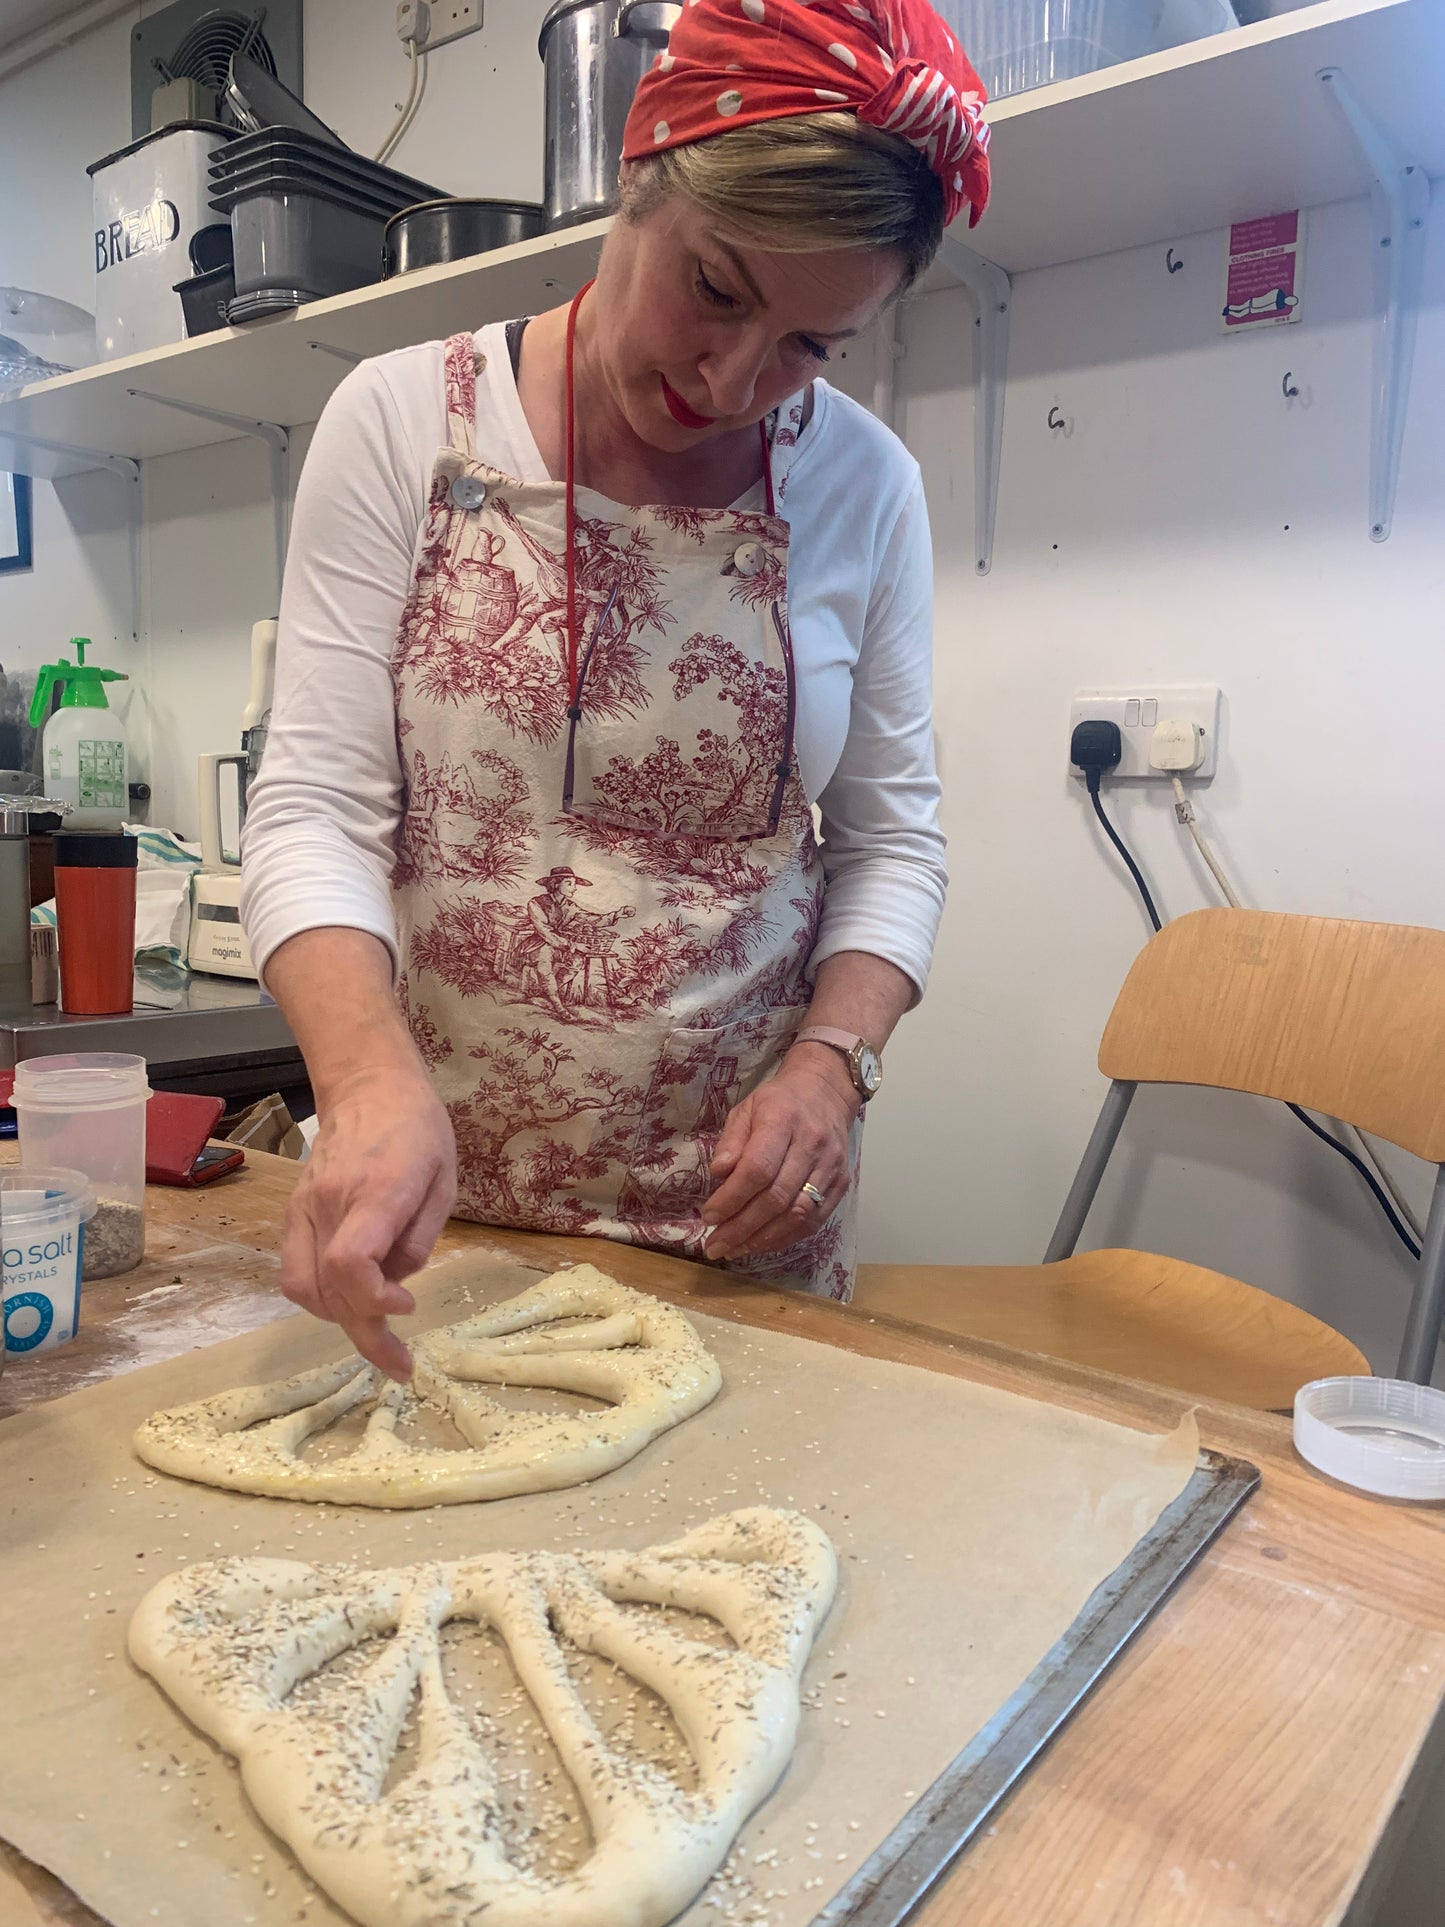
(544, 760)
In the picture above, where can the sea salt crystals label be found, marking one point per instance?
(42, 1238)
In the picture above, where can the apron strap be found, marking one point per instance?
(460, 363)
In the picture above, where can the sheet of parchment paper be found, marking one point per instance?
(971, 1526)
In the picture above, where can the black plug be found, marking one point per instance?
(1094, 747)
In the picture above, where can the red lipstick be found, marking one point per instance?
(678, 409)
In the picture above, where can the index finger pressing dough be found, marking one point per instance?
(231, 1640)
(639, 1355)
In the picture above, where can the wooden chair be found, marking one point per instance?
(1343, 1018)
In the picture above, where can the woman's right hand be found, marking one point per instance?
(372, 1200)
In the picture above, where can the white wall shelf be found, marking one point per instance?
(1175, 144)
(1219, 131)
(278, 371)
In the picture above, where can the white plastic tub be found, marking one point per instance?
(86, 1112)
(42, 1219)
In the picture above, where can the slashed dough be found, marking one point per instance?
(640, 1355)
(229, 1641)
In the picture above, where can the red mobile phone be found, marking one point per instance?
(178, 1125)
(214, 1162)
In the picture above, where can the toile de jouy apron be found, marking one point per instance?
(607, 885)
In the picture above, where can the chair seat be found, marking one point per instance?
(1129, 1312)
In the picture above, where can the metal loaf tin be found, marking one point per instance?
(303, 238)
(436, 231)
(285, 145)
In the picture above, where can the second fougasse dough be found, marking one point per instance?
(639, 1355)
(231, 1640)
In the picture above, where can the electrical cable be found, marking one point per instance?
(1184, 810)
(1092, 777)
(409, 106)
(1365, 1172)
(424, 63)
(1357, 1140)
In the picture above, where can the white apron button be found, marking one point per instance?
(468, 492)
(749, 559)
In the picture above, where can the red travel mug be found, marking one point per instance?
(95, 912)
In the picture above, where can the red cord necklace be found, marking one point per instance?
(573, 649)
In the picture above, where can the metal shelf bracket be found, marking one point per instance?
(276, 439)
(992, 294)
(1400, 202)
(117, 464)
(341, 354)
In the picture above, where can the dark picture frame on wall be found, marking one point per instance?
(14, 523)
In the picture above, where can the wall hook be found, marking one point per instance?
(1056, 420)
(1170, 263)
(1289, 386)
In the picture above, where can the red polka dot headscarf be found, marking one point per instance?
(893, 62)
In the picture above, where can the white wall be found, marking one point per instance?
(1150, 540)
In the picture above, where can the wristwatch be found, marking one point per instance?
(865, 1066)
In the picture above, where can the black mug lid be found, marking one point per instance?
(95, 850)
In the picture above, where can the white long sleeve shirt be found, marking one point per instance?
(324, 814)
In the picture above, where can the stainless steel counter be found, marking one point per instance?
(216, 1032)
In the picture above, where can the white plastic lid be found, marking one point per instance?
(1383, 1435)
(97, 1080)
(32, 1196)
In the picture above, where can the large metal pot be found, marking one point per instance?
(595, 52)
(433, 231)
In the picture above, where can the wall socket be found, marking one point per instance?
(432, 23)
(1136, 711)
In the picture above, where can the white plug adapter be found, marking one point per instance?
(413, 22)
(1176, 747)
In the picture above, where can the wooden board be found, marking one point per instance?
(1243, 1761)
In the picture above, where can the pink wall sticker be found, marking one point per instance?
(1264, 276)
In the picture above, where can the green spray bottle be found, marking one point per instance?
(87, 763)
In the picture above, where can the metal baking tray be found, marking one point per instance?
(924, 1845)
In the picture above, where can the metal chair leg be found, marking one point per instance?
(1069, 1229)
(1422, 1329)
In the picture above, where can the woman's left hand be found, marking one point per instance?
(789, 1132)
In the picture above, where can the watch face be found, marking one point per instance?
(870, 1068)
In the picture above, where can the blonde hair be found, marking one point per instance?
(802, 185)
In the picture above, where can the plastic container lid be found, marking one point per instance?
(1382, 1435)
(35, 1195)
(98, 1080)
(96, 850)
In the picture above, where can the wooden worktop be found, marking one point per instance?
(1251, 1757)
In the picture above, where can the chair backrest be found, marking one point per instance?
(1341, 1017)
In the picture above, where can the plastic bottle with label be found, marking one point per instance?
(87, 763)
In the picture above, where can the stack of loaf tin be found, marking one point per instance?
(307, 217)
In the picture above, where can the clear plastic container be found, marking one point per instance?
(42, 1236)
(1018, 44)
(87, 1112)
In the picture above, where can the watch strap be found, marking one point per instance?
(843, 1040)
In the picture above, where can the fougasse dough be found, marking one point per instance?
(229, 1640)
(641, 1356)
